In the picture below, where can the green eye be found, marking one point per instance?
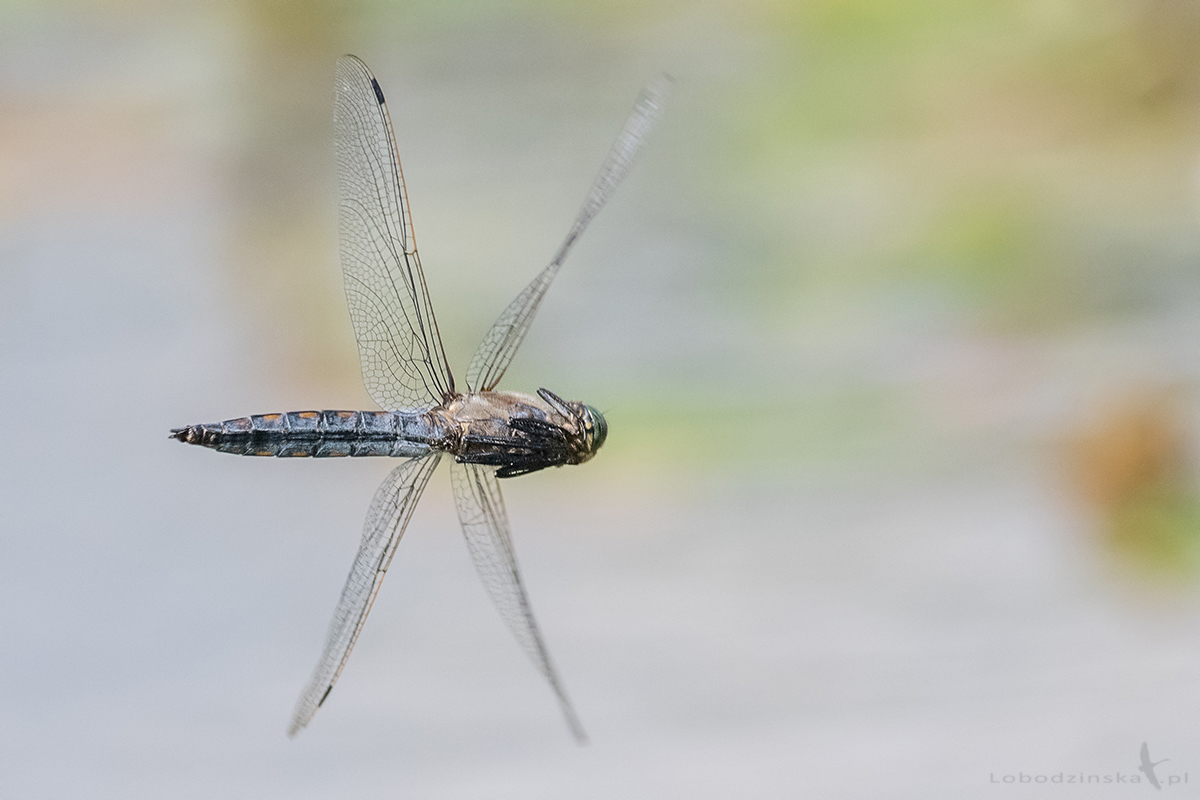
(599, 428)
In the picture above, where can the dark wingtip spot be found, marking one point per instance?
(378, 91)
(329, 688)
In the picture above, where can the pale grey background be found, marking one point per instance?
(852, 566)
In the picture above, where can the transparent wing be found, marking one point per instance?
(501, 343)
(485, 525)
(404, 365)
(389, 514)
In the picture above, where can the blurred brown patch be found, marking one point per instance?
(1134, 444)
(1131, 465)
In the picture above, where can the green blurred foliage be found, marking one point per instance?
(1157, 533)
(990, 148)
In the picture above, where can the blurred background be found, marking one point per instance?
(896, 325)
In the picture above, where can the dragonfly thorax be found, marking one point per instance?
(520, 433)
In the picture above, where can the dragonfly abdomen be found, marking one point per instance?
(318, 434)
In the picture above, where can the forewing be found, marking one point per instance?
(485, 526)
(389, 514)
(404, 365)
(500, 345)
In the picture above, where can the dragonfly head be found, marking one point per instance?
(586, 430)
(595, 428)
(585, 433)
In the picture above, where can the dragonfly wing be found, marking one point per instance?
(485, 526)
(404, 365)
(501, 343)
(389, 514)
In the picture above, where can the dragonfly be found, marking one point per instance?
(490, 434)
